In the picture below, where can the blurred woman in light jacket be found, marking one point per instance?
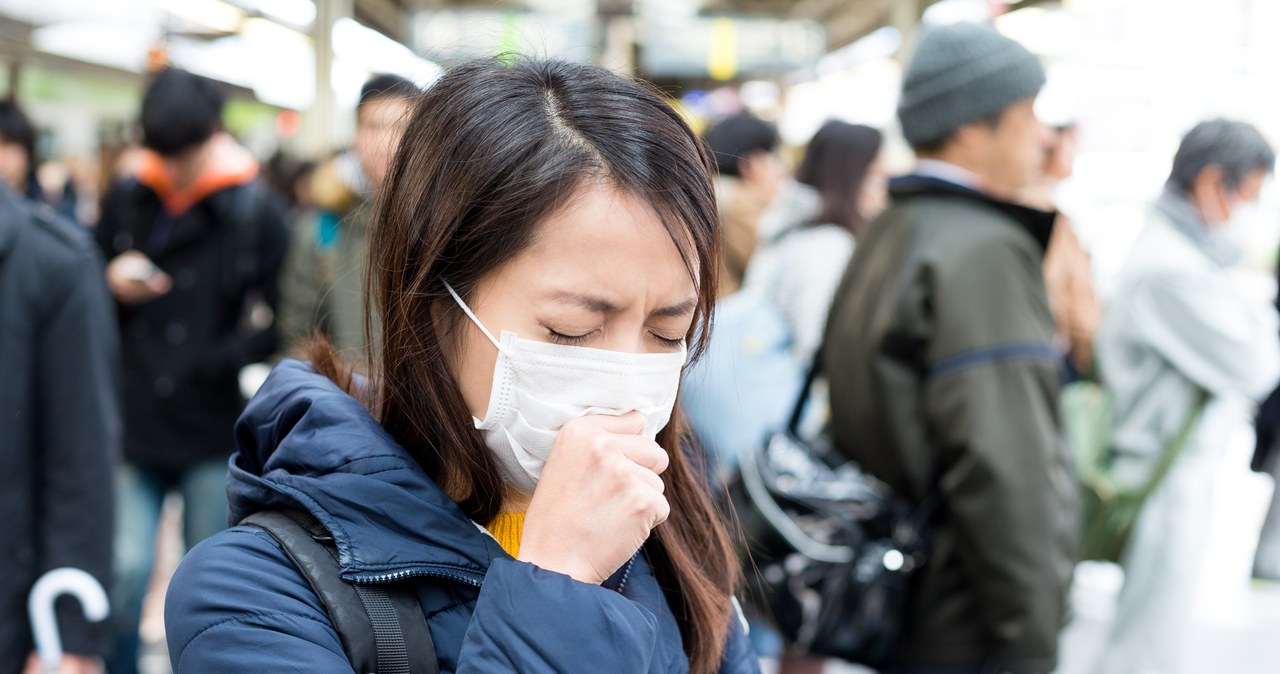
(807, 235)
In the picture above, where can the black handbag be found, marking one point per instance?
(829, 550)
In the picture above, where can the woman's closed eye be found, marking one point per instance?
(669, 342)
(557, 337)
(568, 339)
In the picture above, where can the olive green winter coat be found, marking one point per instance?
(939, 349)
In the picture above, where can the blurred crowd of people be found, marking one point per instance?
(140, 376)
(948, 306)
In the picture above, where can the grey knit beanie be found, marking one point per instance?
(961, 73)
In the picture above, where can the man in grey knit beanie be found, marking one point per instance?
(943, 370)
(960, 74)
(967, 99)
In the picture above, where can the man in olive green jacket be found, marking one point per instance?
(322, 284)
(943, 372)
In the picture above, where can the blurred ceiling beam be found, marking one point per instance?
(615, 7)
(15, 36)
(851, 21)
(389, 17)
(817, 9)
(845, 21)
(17, 50)
(1023, 4)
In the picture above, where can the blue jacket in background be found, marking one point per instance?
(237, 604)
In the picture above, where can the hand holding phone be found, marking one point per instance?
(133, 278)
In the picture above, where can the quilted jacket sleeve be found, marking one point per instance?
(531, 621)
(236, 604)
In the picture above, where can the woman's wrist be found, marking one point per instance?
(571, 568)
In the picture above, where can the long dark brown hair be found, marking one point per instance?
(488, 152)
(836, 164)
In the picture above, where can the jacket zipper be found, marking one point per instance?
(626, 574)
(474, 580)
(460, 577)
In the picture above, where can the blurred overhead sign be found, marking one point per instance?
(462, 34)
(724, 48)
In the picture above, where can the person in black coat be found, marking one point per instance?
(195, 244)
(1266, 562)
(60, 424)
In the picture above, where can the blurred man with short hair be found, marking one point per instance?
(194, 244)
(321, 286)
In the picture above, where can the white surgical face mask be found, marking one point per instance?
(1245, 219)
(1228, 240)
(539, 387)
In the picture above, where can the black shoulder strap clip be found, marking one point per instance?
(381, 626)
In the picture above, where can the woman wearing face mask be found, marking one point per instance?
(544, 245)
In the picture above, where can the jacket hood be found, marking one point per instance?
(304, 443)
(228, 165)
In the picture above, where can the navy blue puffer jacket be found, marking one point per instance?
(237, 604)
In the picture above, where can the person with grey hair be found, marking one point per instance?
(1183, 353)
(944, 378)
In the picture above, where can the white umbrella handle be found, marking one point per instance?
(44, 625)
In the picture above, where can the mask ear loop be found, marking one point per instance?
(471, 314)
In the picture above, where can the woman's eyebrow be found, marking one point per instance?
(597, 305)
(677, 310)
(600, 305)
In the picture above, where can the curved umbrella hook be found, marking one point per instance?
(44, 624)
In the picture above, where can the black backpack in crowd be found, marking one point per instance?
(381, 626)
(830, 551)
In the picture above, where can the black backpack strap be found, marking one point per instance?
(399, 631)
(802, 399)
(381, 627)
